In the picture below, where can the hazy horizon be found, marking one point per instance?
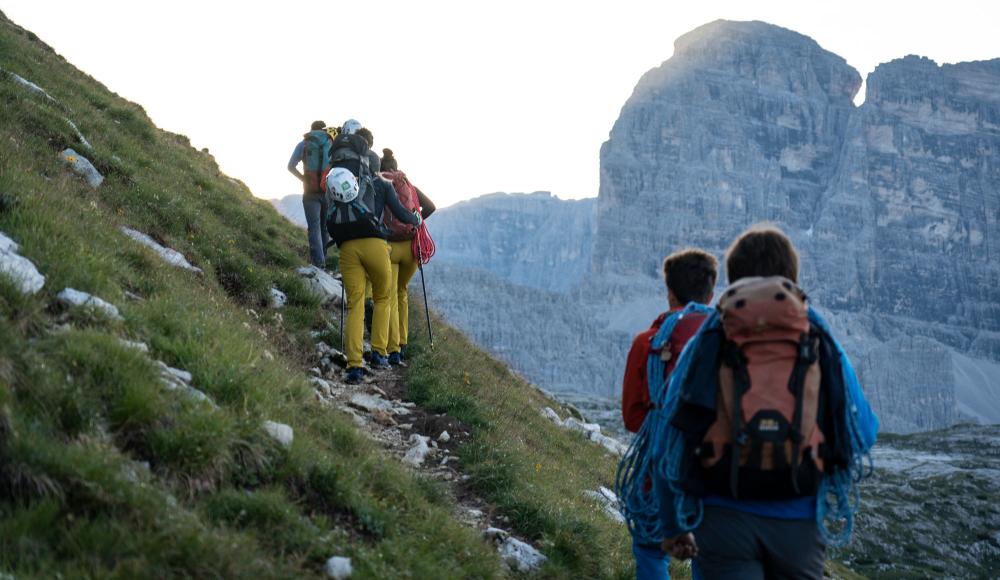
(472, 98)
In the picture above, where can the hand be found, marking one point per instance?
(682, 547)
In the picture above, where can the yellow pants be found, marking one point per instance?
(363, 260)
(403, 267)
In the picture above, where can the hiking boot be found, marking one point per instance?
(395, 359)
(354, 375)
(402, 352)
(379, 361)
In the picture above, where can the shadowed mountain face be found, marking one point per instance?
(533, 240)
(894, 206)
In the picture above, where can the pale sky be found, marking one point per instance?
(473, 97)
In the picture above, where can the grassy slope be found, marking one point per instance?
(532, 470)
(78, 410)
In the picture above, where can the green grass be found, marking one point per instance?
(533, 471)
(103, 472)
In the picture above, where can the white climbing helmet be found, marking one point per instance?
(351, 126)
(342, 185)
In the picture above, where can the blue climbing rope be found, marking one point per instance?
(839, 496)
(638, 501)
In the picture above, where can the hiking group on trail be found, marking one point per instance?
(752, 431)
(752, 428)
(346, 190)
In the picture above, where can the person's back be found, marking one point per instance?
(759, 424)
(689, 276)
(357, 201)
(401, 256)
(310, 153)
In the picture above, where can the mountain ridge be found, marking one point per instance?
(889, 203)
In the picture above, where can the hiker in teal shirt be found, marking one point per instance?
(314, 205)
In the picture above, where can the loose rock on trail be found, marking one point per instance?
(425, 441)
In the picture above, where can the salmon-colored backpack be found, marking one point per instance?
(407, 195)
(773, 376)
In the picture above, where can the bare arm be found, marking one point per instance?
(293, 162)
(427, 206)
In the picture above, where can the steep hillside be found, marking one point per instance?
(166, 423)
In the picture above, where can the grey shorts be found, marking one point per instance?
(736, 545)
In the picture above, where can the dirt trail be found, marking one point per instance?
(381, 410)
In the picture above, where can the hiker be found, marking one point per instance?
(375, 165)
(357, 200)
(689, 276)
(402, 257)
(766, 428)
(374, 162)
(313, 199)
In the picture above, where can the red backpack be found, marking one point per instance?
(407, 195)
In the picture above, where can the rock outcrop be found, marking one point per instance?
(894, 205)
(534, 240)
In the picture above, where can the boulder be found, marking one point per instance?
(277, 298)
(322, 284)
(73, 297)
(608, 502)
(577, 425)
(370, 403)
(82, 167)
(134, 344)
(610, 443)
(79, 135)
(30, 86)
(338, 568)
(8, 245)
(168, 255)
(551, 415)
(520, 556)
(24, 273)
(280, 432)
(418, 452)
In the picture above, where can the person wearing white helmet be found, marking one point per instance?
(355, 225)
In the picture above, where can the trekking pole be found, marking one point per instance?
(342, 306)
(427, 310)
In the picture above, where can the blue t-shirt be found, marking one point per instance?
(296, 155)
(801, 508)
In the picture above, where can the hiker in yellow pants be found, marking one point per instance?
(362, 260)
(404, 263)
(355, 224)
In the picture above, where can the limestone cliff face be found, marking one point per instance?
(534, 240)
(894, 205)
(744, 123)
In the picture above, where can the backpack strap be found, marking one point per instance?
(734, 358)
(796, 384)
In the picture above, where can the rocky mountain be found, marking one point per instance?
(893, 204)
(290, 206)
(534, 240)
(930, 509)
